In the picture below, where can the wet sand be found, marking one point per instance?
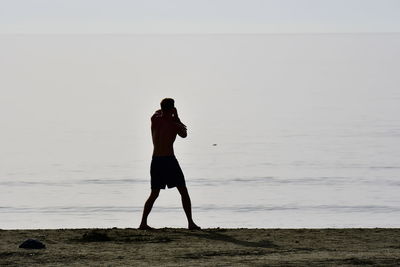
(209, 247)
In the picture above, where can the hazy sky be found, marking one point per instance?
(198, 16)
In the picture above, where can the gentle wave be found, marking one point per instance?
(74, 182)
(267, 180)
(205, 208)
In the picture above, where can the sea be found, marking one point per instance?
(284, 130)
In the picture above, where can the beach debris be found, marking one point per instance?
(147, 239)
(95, 236)
(32, 244)
(224, 253)
(214, 144)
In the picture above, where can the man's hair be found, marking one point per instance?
(167, 104)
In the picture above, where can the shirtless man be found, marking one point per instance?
(165, 169)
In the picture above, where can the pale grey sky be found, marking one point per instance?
(198, 16)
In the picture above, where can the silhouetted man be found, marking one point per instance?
(165, 169)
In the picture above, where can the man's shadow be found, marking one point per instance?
(213, 235)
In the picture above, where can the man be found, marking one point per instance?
(165, 169)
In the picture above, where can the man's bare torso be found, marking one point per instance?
(164, 129)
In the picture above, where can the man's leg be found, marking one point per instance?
(147, 208)
(187, 207)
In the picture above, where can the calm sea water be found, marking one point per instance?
(284, 130)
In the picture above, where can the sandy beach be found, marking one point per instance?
(209, 247)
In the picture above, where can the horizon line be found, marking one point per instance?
(216, 33)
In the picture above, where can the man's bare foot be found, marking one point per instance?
(145, 227)
(193, 226)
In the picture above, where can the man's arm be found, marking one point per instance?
(181, 128)
(182, 131)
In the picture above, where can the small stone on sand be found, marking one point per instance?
(32, 244)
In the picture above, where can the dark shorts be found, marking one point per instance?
(165, 171)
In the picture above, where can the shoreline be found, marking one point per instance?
(207, 247)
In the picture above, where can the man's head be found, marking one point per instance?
(167, 104)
